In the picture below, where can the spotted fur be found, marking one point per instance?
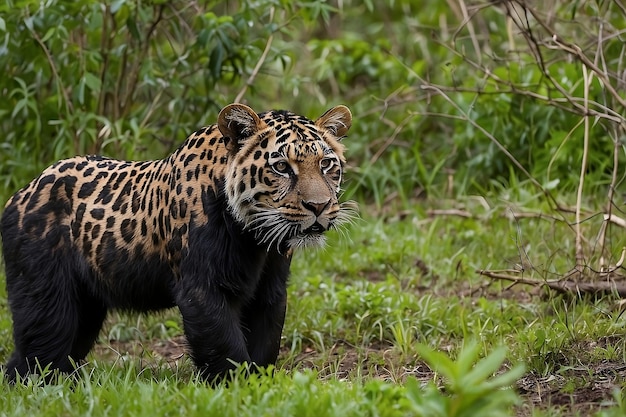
(209, 229)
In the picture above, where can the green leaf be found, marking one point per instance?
(21, 104)
(116, 5)
(468, 356)
(506, 379)
(215, 61)
(49, 34)
(92, 82)
(551, 185)
(437, 361)
(131, 24)
(29, 23)
(484, 368)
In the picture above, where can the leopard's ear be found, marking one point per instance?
(237, 122)
(336, 120)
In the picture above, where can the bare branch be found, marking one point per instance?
(580, 255)
(259, 64)
(612, 283)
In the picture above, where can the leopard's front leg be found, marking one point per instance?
(263, 316)
(212, 328)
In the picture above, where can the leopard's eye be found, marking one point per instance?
(326, 163)
(281, 167)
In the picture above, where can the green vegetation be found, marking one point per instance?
(487, 137)
(368, 333)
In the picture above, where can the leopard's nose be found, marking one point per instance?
(315, 207)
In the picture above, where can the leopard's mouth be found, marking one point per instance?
(315, 229)
(272, 229)
(312, 236)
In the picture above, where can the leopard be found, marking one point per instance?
(211, 230)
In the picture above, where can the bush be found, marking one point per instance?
(128, 79)
(447, 99)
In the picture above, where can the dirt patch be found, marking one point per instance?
(580, 390)
(344, 361)
(583, 389)
(170, 351)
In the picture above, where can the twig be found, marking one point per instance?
(561, 146)
(133, 77)
(68, 103)
(576, 51)
(621, 259)
(615, 220)
(259, 64)
(105, 48)
(571, 49)
(609, 204)
(531, 215)
(467, 21)
(580, 255)
(566, 286)
(546, 48)
(450, 212)
(399, 128)
(502, 148)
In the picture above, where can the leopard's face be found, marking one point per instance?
(284, 174)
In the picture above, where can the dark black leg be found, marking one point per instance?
(91, 316)
(262, 323)
(212, 329)
(263, 317)
(45, 323)
(55, 320)
(16, 366)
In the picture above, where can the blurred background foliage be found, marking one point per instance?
(440, 91)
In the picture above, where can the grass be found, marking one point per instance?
(390, 320)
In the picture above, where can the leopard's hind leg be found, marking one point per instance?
(55, 320)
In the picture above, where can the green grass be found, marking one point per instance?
(132, 391)
(382, 323)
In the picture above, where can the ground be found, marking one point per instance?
(357, 317)
(584, 389)
(574, 389)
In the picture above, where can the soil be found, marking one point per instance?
(580, 390)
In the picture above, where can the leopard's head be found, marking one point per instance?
(284, 173)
